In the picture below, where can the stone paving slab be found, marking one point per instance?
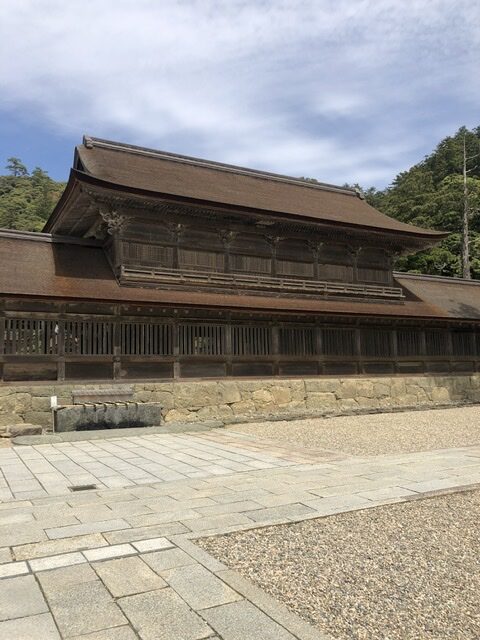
(126, 568)
(36, 627)
(51, 468)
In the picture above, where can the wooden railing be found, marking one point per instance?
(152, 276)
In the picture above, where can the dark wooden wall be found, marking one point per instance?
(41, 340)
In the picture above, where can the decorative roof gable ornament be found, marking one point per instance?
(114, 221)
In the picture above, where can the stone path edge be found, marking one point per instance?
(275, 610)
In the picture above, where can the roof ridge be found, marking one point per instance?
(90, 142)
(428, 276)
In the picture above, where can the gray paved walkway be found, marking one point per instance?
(120, 563)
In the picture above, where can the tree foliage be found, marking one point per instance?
(26, 200)
(430, 195)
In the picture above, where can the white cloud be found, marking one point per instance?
(345, 90)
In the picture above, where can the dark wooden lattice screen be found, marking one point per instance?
(88, 337)
(146, 338)
(202, 339)
(203, 260)
(370, 274)
(376, 343)
(409, 342)
(436, 341)
(297, 341)
(29, 337)
(338, 342)
(463, 343)
(251, 341)
(139, 253)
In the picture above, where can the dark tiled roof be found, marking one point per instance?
(168, 174)
(457, 298)
(37, 265)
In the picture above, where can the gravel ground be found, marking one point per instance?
(376, 434)
(398, 572)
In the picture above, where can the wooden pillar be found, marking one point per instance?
(60, 350)
(176, 349)
(316, 247)
(273, 243)
(228, 345)
(423, 342)
(355, 264)
(394, 340)
(2, 343)
(275, 347)
(227, 238)
(117, 346)
(318, 340)
(358, 348)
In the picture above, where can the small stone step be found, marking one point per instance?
(20, 429)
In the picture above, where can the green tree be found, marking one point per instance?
(16, 167)
(26, 201)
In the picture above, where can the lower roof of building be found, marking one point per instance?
(41, 266)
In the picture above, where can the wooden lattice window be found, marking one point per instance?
(202, 339)
(203, 260)
(248, 340)
(294, 258)
(373, 266)
(463, 343)
(297, 341)
(251, 253)
(30, 337)
(88, 337)
(146, 338)
(436, 341)
(370, 274)
(338, 342)
(335, 263)
(140, 253)
(376, 343)
(409, 342)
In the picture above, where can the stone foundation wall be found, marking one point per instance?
(238, 400)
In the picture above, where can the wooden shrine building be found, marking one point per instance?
(158, 266)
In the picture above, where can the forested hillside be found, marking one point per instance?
(26, 199)
(430, 194)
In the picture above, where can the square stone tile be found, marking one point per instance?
(107, 553)
(242, 620)
(90, 527)
(65, 577)
(54, 562)
(13, 569)
(199, 587)
(163, 615)
(55, 547)
(5, 555)
(281, 513)
(127, 576)
(14, 534)
(217, 522)
(39, 627)
(142, 533)
(115, 633)
(20, 597)
(82, 608)
(153, 544)
(168, 559)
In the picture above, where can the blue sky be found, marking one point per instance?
(339, 90)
